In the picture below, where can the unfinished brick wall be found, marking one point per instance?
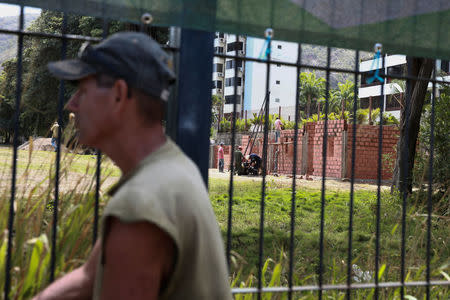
(338, 159)
(366, 151)
(334, 157)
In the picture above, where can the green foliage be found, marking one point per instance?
(39, 103)
(311, 89)
(224, 126)
(441, 174)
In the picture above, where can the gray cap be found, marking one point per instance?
(132, 56)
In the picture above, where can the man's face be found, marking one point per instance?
(92, 106)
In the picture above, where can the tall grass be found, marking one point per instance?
(34, 207)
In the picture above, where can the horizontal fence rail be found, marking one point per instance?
(259, 289)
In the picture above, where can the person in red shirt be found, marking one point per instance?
(221, 157)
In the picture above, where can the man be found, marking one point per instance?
(221, 157)
(254, 163)
(54, 129)
(238, 159)
(278, 126)
(159, 237)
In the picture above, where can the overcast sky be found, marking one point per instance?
(14, 10)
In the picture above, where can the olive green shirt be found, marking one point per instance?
(166, 189)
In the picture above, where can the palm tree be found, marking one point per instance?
(311, 87)
(345, 94)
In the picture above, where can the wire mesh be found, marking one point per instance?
(259, 290)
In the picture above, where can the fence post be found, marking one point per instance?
(194, 96)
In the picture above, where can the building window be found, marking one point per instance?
(235, 46)
(230, 99)
(218, 68)
(217, 84)
(230, 81)
(277, 100)
(218, 50)
(279, 47)
(230, 64)
(277, 82)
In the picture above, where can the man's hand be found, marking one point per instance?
(78, 284)
(138, 260)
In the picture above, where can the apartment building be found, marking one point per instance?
(251, 76)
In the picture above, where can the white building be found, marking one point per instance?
(251, 77)
(394, 65)
(282, 81)
(224, 71)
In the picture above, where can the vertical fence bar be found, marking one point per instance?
(379, 175)
(352, 179)
(99, 155)
(264, 171)
(405, 180)
(430, 183)
(324, 163)
(294, 174)
(14, 162)
(58, 156)
(233, 145)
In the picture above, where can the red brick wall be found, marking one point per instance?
(366, 152)
(286, 152)
(366, 163)
(334, 148)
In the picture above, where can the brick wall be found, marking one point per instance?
(366, 151)
(334, 148)
(280, 156)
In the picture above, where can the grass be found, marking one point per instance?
(246, 222)
(34, 210)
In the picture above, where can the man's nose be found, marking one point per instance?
(72, 105)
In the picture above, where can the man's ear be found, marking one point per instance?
(121, 90)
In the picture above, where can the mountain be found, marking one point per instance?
(340, 59)
(8, 42)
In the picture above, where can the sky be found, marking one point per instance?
(14, 10)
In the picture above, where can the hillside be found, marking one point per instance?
(8, 42)
(340, 59)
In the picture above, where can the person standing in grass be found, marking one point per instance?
(238, 160)
(54, 130)
(221, 157)
(159, 236)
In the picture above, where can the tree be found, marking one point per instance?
(311, 88)
(217, 104)
(345, 94)
(410, 115)
(40, 90)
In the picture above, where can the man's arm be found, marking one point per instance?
(78, 284)
(139, 258)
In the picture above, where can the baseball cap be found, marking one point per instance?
(132, 56)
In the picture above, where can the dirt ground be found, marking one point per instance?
(312, 183)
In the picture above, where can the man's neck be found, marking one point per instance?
(131, 148)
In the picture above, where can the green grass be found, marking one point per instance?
(246, 222)
(34, 209)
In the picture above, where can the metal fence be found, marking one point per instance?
(175, 128)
